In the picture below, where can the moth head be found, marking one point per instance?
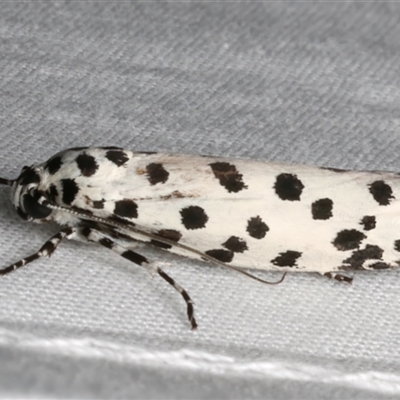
(26, 197)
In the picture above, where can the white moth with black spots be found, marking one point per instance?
(235, 213)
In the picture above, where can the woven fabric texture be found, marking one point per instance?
(308, 83)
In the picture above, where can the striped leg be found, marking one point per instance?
(45, 251)
(95, 236)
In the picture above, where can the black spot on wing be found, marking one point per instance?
(53, 165)
(397, 245)
(235, 244)
(87, 164)
(193, 217)
(169, 234)
(221, 255)
(69, 190)
(288, 187)
(228, 176)
(286, 259)
(379, 265)
(118, 157)
(358, 257)
(98, 204)
(257, 228)
(156, 173)
(322, 209)
(126, 208)
(28, 175)
(348, 239)
(111, 148)
(368, 222)
(381, 192)
(53, 193)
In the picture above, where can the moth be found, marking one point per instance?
(239, 214)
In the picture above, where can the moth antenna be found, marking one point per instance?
(7, 182)
(142, 232)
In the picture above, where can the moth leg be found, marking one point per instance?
(45, 251)
(339, 277)
(95, 236)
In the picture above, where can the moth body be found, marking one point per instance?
(238, 213)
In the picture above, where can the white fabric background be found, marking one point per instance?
(291, 82)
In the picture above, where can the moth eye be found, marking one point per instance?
(34, 209)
